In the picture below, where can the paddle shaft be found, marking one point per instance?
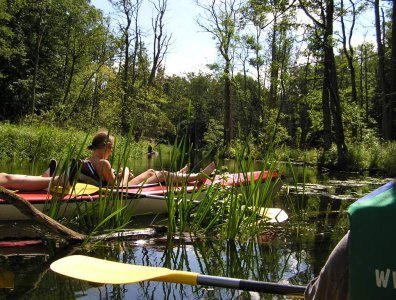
(251, 285)
(104, 271)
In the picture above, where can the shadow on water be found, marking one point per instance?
(292, 252)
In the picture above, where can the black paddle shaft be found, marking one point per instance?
(251, 285)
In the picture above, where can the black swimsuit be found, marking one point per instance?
(88, 169)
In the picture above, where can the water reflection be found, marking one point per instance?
(275, 258)
(275, 261)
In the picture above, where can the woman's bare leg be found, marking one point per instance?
(204, 174)
(143, 178)
(24, 182)
(164, 176)
(184, 169)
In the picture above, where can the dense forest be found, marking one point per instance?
(287, 72)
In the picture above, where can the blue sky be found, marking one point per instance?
(190, 49)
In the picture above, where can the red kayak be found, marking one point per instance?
(143, 199)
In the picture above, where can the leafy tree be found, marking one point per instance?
(322, 16)
(130, 11)
(221, 20)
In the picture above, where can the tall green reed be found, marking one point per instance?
(177, 203)
(60, 180)
(230, 212)
(298, 205)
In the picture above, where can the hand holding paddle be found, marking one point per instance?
(104, 271)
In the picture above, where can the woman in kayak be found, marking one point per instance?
(29, 182)
(98, 168)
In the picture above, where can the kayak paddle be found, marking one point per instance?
(109, 272)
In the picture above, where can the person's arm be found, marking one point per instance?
(124, 176)
(106, 172)
(332, 282)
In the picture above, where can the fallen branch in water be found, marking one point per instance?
(136, 234)
(33, 213)
(70, 235)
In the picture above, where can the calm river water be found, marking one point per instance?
(292, 252)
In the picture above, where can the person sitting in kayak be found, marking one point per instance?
(99, 168)
(332, 282)
(23, 182)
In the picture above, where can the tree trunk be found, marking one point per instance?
(349, 53)
(366, 85)
(228, 132)
(125, 98)
(222, 19)
(161, 39)
(331, 78)
(392, 98)
(95, 101)
(67, 90)
(386, 123)
(135, 56)
(36, 64)
(66, 63)
(348, 50)
(274, 73)
(326, 115)
(303, 110)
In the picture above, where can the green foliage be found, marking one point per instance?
(329, 158)
(359, 156)
(383, 157)
(309, 155)
(273, 132)
(213, 137)
(373, 156)
(38, 142)
(61, 64)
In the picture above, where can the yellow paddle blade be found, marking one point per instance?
(84, 189)
(78, 190)
(104, 271)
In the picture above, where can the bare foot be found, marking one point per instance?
(184, 169)
(204, 174)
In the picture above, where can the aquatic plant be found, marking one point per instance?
(232, 212)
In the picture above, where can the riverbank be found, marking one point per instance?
(41, 143)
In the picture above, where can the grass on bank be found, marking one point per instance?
(41, 142)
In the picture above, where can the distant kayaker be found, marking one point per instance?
(98, 167)
(150, 151)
